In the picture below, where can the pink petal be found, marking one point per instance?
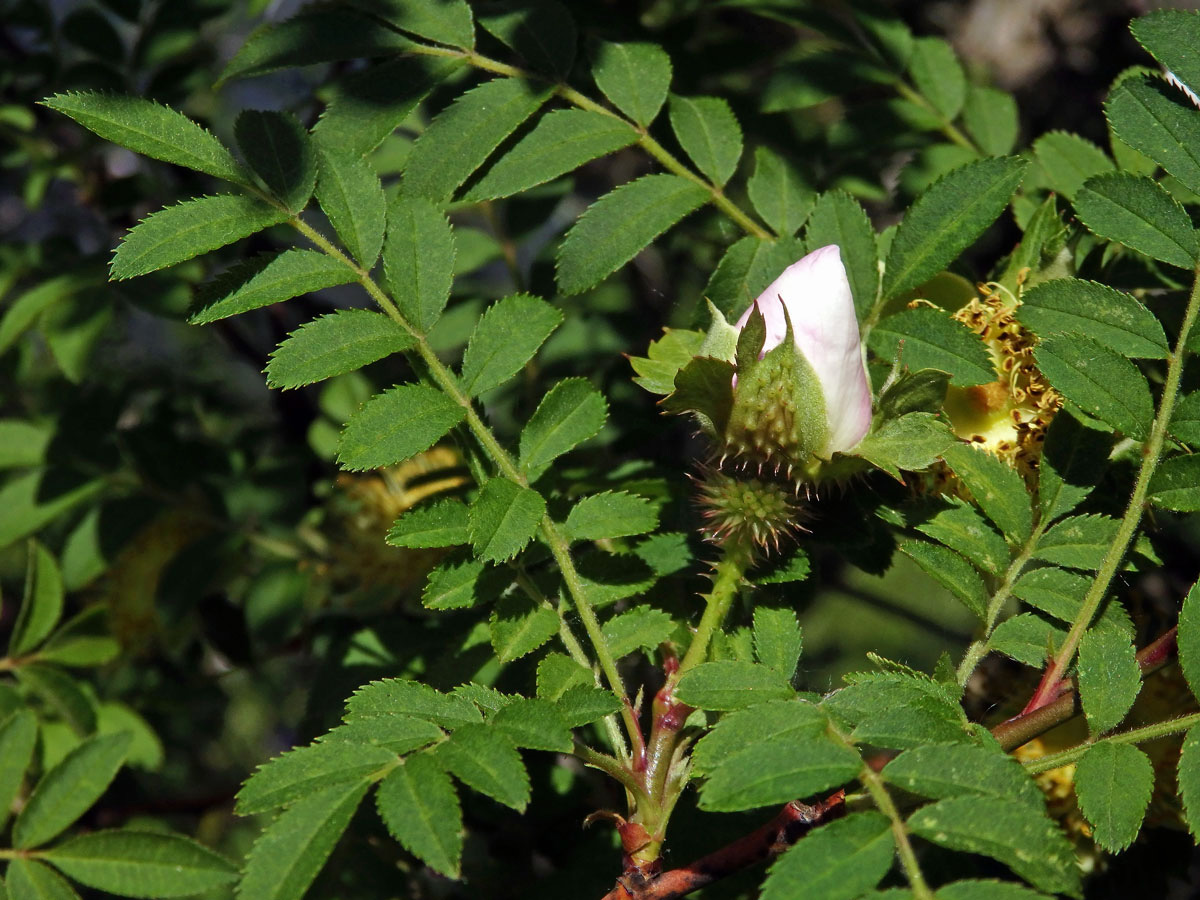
(817, 295)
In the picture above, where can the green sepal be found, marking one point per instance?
(720, 342)
(704, 387)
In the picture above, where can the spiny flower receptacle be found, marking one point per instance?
(1009, 416)
(753, 512)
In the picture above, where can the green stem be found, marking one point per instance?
(444, 379)
(979, 648)
(730, 569)
(908, 858)
(946, 126)
(1134, 736)
(668, 160)
(1151, 451)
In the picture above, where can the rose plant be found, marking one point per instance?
(528, 598)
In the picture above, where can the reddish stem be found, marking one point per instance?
(1054, 710)
(792, 823)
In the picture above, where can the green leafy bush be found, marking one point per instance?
(454, 567)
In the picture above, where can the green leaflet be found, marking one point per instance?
(542, 31)
(291, 851)
(1137, 212)
(951, 571)
(557, 673)
(18, 737)
(570, 413)
(1027, 638)
(837, 218)
(505, 338)
(440, 524)
(1175, 484)
(1099, 381)
(24, 311)
(454, 583)
(729, 684)
(300, 771)
(1056, 592)
(271, 279)
(420, 807)
(142, 864)
(278, 149)
(909, 443)
(1107, 316)
(1113, 783)
(487, 699)
(947, 218)
(444, 21)
(778, 641)
(519, 626)
(634, 76)
(640, 628)
(979, 889)
(583, 704)
(1044, 236)
(898, 711)
(533, 723)
(68, 790)
(1024, 839)
(1073, 459)
(503, 518)
(1068, 160)
(709, 133)
(933, 340)
(418, 260)
(484, 759)
(938, 75)
(561, 142)
(400, 696)
(773, 770)
(189, 229)
(939, 771)
(960, 527)
(42, 603)
(748, 266)
(1185, 420)
(1078, 542)
(150, 129)
(396, 425)
(61, 693)
(921, 391)
(463, 136)
(1156, 119)
(610, 514)
(367, 106)
(1170, 37)
(619, 225)
(391, 731)
(1189, 777)
(792, 568)
(735, 733)
(29, 879)
(312, 37)
(991, 119)
(997, 488)
(351, 196)
(1188, 638)
(779, 195)
(334, 345)
(838, 861)
(1108, 676)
